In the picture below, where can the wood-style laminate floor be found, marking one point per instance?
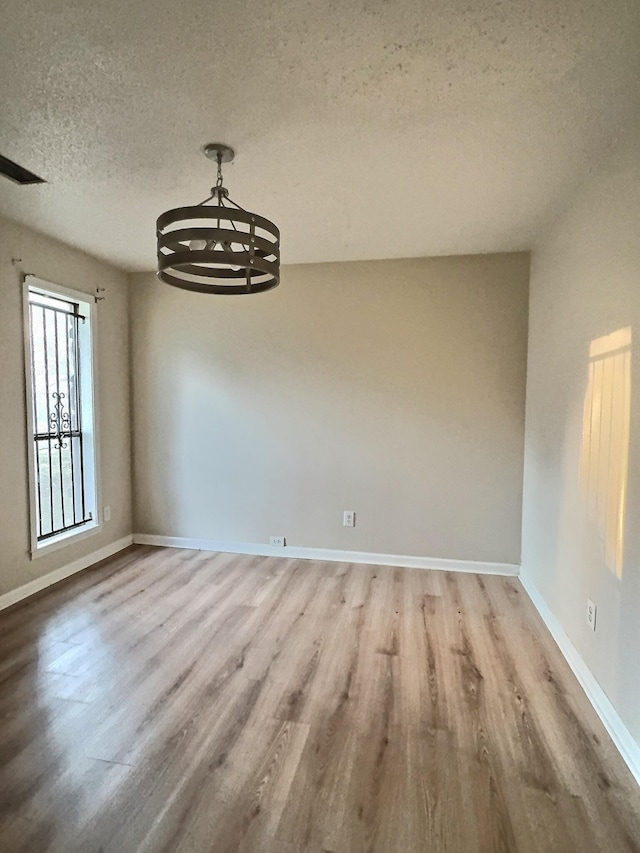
(173, 700)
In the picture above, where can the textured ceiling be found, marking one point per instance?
(366, 129)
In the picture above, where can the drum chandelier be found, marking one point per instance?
(217, 246)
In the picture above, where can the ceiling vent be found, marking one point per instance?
(18, 174)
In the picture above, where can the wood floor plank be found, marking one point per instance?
(175, 700)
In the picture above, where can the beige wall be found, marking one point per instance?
(58, 263)
(583, 425)
(393, 388)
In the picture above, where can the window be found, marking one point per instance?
(59, 369)
(605, 443)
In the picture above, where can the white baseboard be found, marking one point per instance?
(63, 572)
(620, 734)
(329, 554)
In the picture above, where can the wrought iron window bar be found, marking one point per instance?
(56, 400)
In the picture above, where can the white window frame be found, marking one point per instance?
(89, 395)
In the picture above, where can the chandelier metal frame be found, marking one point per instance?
(220, 247)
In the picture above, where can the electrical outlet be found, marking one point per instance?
(591, 614)
(349, 518)
(106, 513)
(278, 541)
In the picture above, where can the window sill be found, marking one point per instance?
(64, 539)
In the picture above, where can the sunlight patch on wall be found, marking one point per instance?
(605, 441)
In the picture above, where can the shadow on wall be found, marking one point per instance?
(605, 443)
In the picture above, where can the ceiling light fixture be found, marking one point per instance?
(218, 247)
